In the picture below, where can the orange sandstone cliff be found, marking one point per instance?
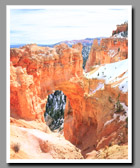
(37, 72)
(110, 50)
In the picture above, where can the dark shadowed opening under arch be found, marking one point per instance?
(54, 113)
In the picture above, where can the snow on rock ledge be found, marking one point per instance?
(115, 74)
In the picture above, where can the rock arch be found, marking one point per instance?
(40, 71)
(35, 72)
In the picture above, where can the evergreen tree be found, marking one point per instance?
(55, 109)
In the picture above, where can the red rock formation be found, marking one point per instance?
(120, 28)
(110, 50)
(37, 71)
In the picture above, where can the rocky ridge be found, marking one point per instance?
(120, 28)
(110, 50)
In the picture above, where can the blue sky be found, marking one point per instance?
(52, 24)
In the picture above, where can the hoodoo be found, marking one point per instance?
(110, 50)
(120, 28)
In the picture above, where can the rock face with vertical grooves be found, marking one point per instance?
(110, 50)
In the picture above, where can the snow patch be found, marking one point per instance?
(123, 117)
(110, 121)
(123, 86)
(112, 53)
(99, 87)
(119, 35)
(111, 72)
(42, 54)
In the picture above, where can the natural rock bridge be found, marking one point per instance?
(36, 72)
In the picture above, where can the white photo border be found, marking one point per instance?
(8, 160)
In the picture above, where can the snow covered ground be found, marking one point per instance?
(113, 73)
(119, 35)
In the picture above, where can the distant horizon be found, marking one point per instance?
(52, 24)
(55, 43)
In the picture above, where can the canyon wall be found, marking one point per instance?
(36, 72)
(110, 50)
